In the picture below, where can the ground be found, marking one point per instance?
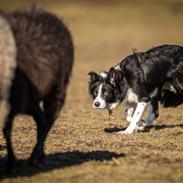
(84, 146)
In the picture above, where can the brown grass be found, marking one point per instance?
(83, 146)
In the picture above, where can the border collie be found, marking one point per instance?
(145, 78)
(36, 58)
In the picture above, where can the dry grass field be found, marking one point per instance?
(84, 146)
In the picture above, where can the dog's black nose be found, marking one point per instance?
(97, 104)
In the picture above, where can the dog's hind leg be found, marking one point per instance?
(7, 134)
(153, 113)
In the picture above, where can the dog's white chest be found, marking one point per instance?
(131, 96)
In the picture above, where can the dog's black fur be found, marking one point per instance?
(44, 63)
(160, 67)
(154, 76)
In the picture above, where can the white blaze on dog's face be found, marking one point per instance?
(99, 101)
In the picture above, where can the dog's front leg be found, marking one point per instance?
(141, 107)
(129, 113)
(144, 124)
(110, 112)
(150, 117)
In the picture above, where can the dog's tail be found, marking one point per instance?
(169, 99)
(7, 66)
(171, 95)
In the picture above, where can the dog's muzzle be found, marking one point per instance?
(100, 104)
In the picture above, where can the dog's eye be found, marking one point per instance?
(106, 93)
(95, 93)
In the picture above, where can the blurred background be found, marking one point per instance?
(105, 32)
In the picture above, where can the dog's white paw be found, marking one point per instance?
(143, 126)
(127, 131)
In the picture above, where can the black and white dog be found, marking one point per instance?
(145, 78)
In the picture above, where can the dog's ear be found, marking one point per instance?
(93, 76)
(114, 76)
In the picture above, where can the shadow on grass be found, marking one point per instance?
(163, 126)
(55, 161)
(113, 130)
(156, 127)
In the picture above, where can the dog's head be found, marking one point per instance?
(105, 89)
